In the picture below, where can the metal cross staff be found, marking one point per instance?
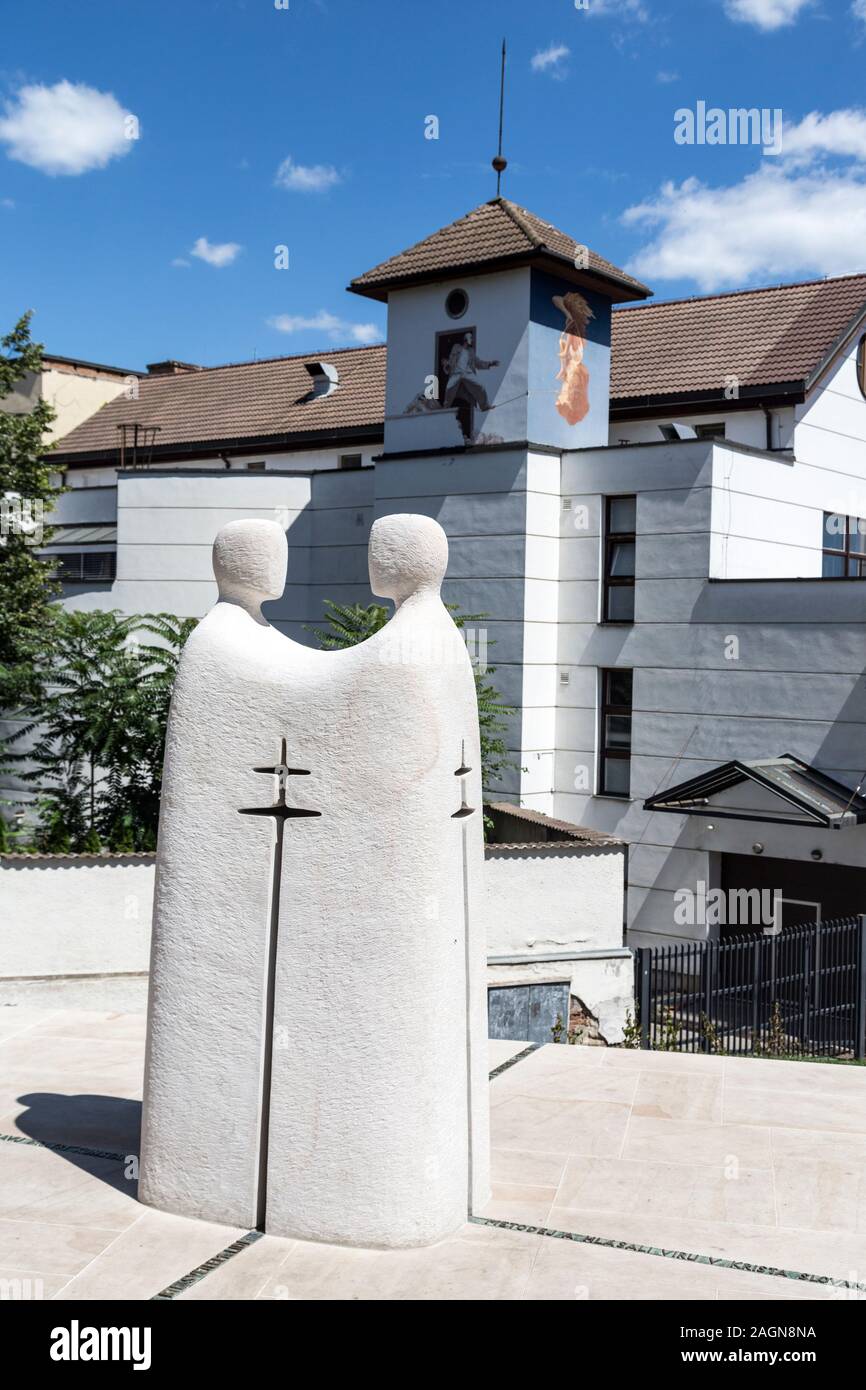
(280, 813)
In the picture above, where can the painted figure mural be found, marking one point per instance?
(459, 366)
(573, 399)
(456, 385)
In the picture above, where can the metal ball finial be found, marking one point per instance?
(500, 164)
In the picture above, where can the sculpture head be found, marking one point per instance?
(250, 559)
(408, 554)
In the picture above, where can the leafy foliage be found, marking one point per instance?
(25, 582)
(349, 624)
(98, 728)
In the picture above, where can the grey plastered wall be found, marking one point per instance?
(723, 669)
(480, 500)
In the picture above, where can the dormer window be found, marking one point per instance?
(325, 379)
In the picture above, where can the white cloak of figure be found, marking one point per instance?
(208, 1014)
(378, 1112)
(317, 1026)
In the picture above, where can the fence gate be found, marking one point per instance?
(797, 992)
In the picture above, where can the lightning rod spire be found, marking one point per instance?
(499, 163)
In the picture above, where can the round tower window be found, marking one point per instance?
(456, 304)
(861, 364)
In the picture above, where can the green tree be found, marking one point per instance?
(349, 624)
(25, 474)
(28, 488)
(98, 726)
(130, 805)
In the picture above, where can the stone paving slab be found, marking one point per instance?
(618, 1174)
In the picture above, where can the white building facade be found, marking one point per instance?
(665, 548)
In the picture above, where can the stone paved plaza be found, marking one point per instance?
(746, 1162)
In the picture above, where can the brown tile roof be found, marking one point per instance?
(763, 337)
(561, 832)
(248, 400)
(493, 232)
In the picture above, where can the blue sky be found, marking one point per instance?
(259, 127)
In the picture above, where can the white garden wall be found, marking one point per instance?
(74, 916)
(553, 898)
(554, 911)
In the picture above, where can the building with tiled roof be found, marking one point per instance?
(679, 353)
(660, 508)
(774, 340)
(495, 236)
(191, 410)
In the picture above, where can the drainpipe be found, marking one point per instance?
(768, 414)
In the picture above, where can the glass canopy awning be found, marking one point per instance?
(784, 790)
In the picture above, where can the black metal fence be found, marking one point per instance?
(797, 992)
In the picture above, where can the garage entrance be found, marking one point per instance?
(809, 892)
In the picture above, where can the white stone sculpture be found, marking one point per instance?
(316, 1061)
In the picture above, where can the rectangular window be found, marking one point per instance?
(256, 466)
(85, 566)
(619, 552)
(844, 547)
(715, 431)
(614, 772)
(351, 461)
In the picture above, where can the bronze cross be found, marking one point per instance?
(463, 772)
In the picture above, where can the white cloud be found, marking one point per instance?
(622, 9)
(7, 202)
(219, 254)
(551, 59)
(305, 178)
(180, 261)
(337, 329)
(803, 213)
(66, 129)
(766, 14)
(858, 10)
(666, 77)
(770, 226)
(841, 133)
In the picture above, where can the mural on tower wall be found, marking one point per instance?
(569, 364)
(573, 399)
(457, 378)
(457, 369)
(527, 358)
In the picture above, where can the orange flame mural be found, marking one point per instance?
(573, 399)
